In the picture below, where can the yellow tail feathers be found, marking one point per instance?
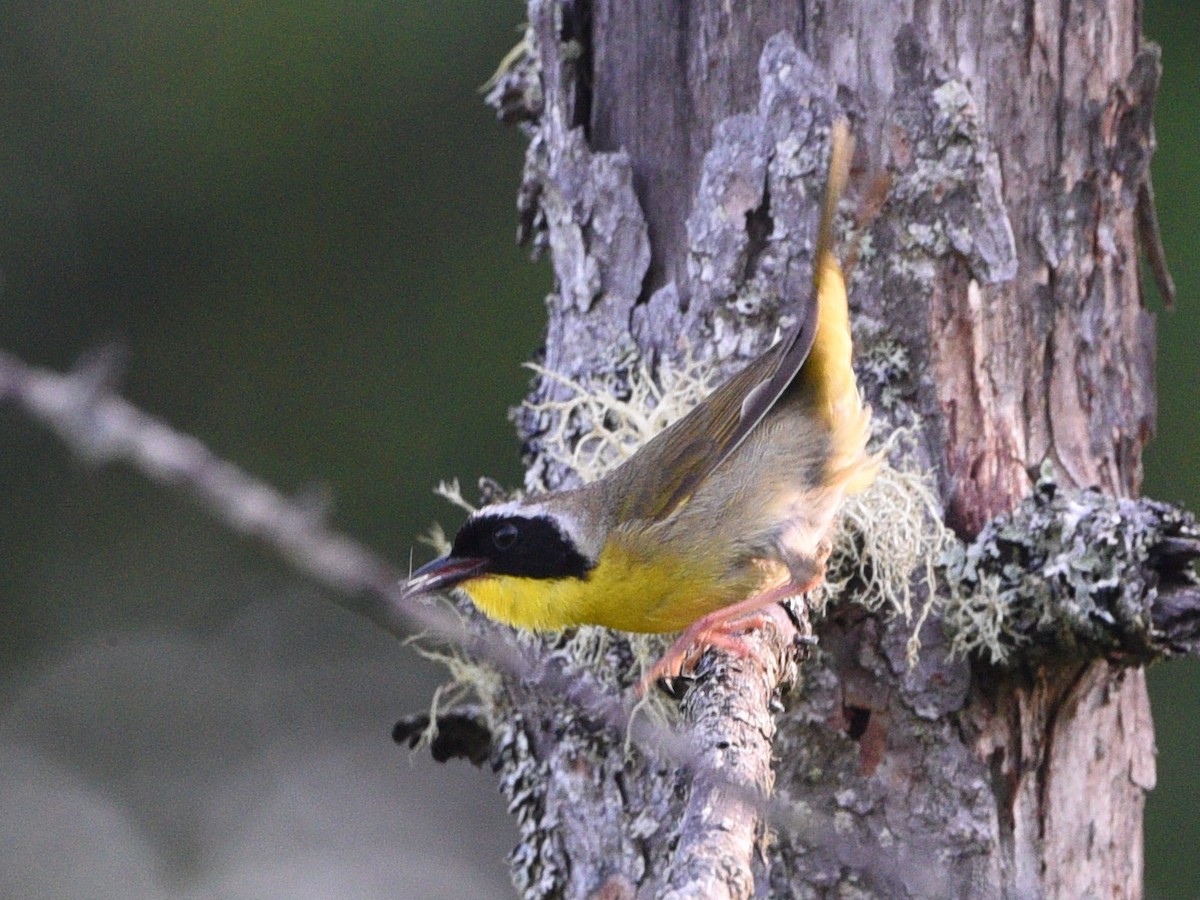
(828, 373)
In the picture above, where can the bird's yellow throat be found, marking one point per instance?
(615, 594)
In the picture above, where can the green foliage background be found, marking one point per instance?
(297, 218)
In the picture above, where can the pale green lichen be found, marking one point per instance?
(435, 536)
(519, 54)
(612, 417)
(451, 492)
(1064, 572)
(888, 542)
(468, 678)
(979, 614)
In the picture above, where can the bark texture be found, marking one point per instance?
(675, 163)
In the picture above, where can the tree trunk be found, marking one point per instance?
(675, 164)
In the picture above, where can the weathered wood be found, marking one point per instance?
(677, 148)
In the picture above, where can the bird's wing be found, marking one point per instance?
(664, 474)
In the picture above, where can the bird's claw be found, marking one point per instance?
(684, 654)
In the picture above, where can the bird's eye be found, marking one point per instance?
(504, 536)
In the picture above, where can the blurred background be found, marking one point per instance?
(298, 219)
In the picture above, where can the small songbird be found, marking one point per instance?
(725, 512)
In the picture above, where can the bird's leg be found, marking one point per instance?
(721, 628)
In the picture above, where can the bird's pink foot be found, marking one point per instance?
(724, 629)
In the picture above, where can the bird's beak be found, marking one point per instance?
(442, 574)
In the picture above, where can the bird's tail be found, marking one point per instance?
(827, 375)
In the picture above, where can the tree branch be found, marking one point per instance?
(102, 427)
(733, 725)
(1072, 572)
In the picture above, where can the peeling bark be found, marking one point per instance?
(676, 154)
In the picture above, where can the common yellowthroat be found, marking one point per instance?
(724, 512)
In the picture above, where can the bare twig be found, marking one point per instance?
(1152, 242)
(102, 427)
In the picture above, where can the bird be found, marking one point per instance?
(725, 512)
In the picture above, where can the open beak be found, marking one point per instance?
(442, 574)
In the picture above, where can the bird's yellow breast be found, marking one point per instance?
(626, 590)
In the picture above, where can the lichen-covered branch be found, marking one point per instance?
(733, 726)
(1078, 574)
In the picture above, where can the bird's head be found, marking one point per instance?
(516, 561)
